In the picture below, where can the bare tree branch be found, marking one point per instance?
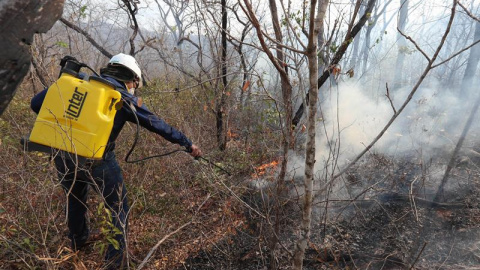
(338, 55)
(90, 39)
(414, 43)
(132, 9)
(256, 24)
(390, 99)
(427, 69)
(456, 54)
(39, 73)
(469, 13)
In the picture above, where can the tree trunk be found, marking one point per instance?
(19, 20)
(243, 67)
(372, 21)
(366, 47)
(220, 108)
(314, 28)
(401, 44)
(287, 131)
(472, 63)
(356, 45)
(280, 65)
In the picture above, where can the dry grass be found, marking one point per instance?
(164, 193)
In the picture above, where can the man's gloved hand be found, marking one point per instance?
(194, 151)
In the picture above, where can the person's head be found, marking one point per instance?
(124, 68)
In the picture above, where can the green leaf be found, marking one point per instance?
(116, 231)
(2, 210)
(62, 44)
(28, 244)
(333, 48)
(102, 247)
(100, 207)
(114, 243)
(83, 10)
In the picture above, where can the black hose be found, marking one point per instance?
(160, 155)
(137, 132)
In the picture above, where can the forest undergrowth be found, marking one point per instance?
(187, 214)
(389, 220)
(164, 194)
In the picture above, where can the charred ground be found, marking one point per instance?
(392, 221)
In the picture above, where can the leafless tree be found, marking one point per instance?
(280, 64)
(177, 10)
(472, 62)
(372, 22)
(401, 43)
(351, 33)
(315, 24)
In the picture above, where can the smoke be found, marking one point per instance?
(351, 117)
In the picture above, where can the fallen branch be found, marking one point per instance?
(418, 257)
(150, 253)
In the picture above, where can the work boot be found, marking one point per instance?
(79, 241)
(86, 239)
(117, 263)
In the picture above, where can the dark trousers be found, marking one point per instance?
(106, 178)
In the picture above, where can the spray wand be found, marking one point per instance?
(180, 150)
(211, 163)
(188, 150)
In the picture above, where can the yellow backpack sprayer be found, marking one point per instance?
(76, 115)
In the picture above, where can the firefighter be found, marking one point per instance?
(105, 175)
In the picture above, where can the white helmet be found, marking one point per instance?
(128, 61)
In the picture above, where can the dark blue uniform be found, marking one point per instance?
(105, 175)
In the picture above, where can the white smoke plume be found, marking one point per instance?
(352, 118)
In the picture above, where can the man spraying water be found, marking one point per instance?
(105, 175)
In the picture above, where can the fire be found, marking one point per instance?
(264, 169)
(231, 134)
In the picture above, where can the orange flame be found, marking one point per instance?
(231, 135)
(264, 168)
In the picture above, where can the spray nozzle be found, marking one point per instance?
(72, 66)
